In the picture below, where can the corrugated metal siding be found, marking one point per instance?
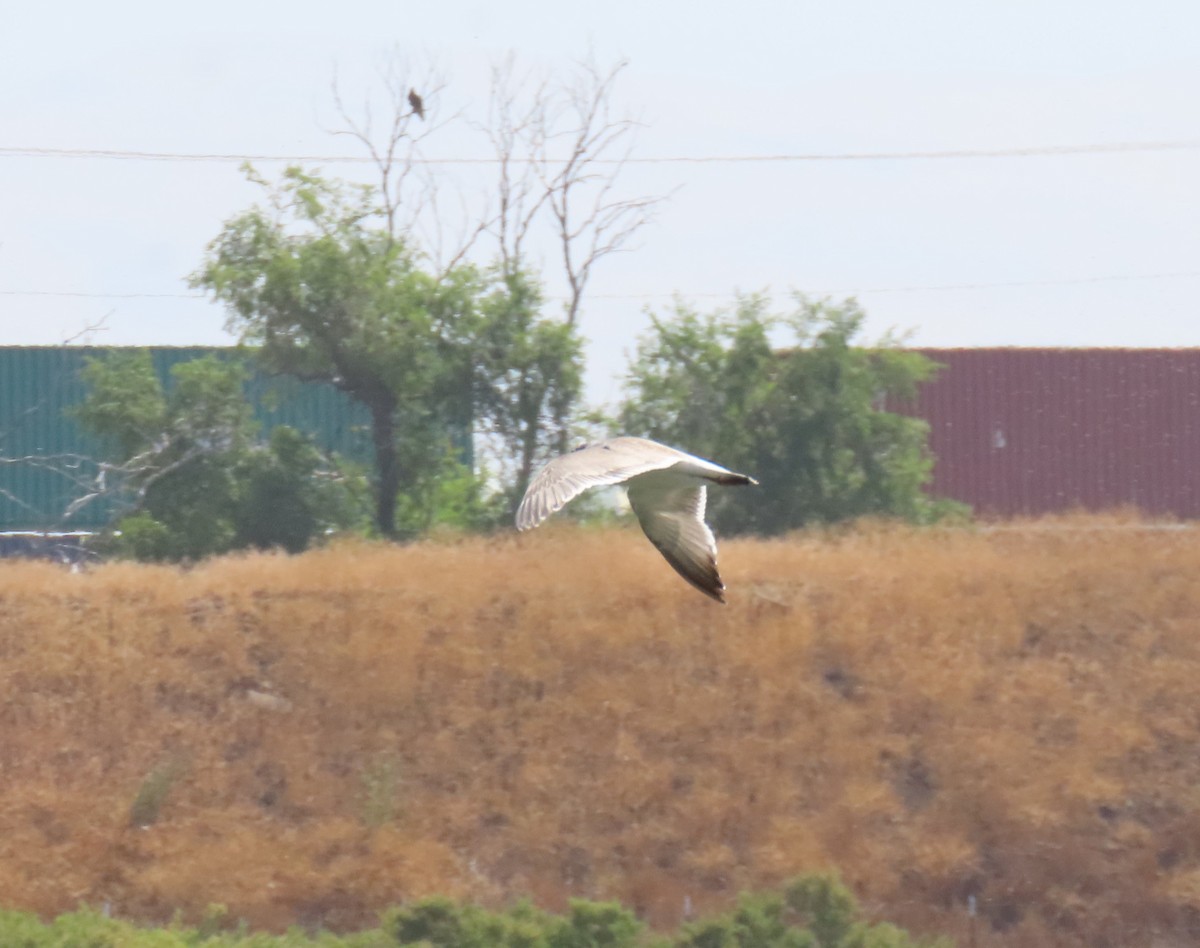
(36, 385)
(1032, 431)
(40, 385)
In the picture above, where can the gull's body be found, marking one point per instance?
(666, 491)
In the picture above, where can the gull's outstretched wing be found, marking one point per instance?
(672, 516)
(596, 465)
(666, 491)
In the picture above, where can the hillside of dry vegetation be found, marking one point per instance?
(1010, 715)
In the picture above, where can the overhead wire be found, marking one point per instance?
(1034, 151)
(1020, 152)
(848, 291)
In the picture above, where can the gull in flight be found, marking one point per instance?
(666, 491)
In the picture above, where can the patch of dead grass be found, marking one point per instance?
(1010, 714)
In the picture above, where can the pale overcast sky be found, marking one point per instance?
(1104, 247)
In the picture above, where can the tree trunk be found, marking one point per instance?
(525, 472)
(387, 464)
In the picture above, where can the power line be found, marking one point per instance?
(856, 291)
(105, 296)
(1071, 281)
(1075, 281)
(1037, 151)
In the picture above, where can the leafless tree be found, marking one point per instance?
(393, 150)
(412, 202)
(560, 150)
(516, 128)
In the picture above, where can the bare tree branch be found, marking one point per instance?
(88, 330)
(517, 132)
(561, 151)
(446, 255)
(408, 189)
(592, 220)
(83, 473)
(73, 468)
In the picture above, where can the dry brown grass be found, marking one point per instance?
(1010, 714)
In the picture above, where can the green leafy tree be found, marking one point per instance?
(324, 296)
(454, 497)
(126, 405)
(530, 377)
(805, 417)
(322, 290)
(188, 470)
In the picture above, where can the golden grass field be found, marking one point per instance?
(936, 714)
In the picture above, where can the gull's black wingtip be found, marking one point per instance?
(735, 480)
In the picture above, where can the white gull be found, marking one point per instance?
(666, 490)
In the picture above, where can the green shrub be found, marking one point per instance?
(824, 906)
(439, 922)
(595, 925)
(137, 537)
(758, 922)
(813, 912)
(286, 496)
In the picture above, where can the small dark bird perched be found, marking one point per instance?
(418, 106)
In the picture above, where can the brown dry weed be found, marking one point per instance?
(1009, 714)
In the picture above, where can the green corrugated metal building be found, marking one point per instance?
(45, 456)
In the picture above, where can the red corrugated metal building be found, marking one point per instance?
(1033, 431)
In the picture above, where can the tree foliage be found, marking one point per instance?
(322, 291)
(192, 478)
(530, 377)
(805, 418)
